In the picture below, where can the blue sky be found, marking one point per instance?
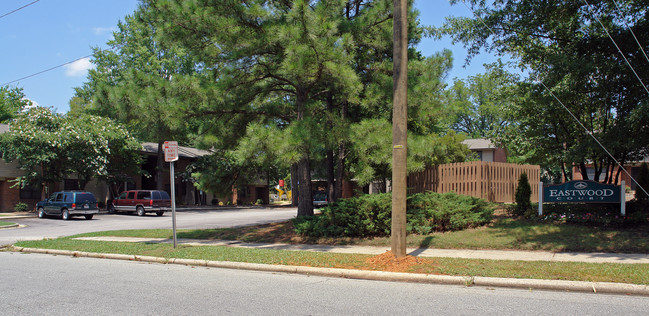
(49, 33)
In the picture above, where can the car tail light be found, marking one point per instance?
(151, 202)
(74, 205)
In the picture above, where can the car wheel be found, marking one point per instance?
(140, 211)
(159, 213)
(65, 215)
(111, 209)
(41, 212)
(89, 216)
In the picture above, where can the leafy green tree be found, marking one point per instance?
(12, 101)
(570, 57)
(480, 102)
(50, 147)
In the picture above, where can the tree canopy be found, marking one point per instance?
(575, 68)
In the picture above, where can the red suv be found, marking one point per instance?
(142, 202)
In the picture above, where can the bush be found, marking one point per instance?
(596, 215)
(371, 215)
(523, 195)
(21, 207)
(259, 202)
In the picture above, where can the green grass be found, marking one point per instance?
(621, 273)
(6, 223)
(503, 233)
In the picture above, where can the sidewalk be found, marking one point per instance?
(420, 252)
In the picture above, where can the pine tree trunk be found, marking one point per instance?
(305, 204)
(295, 175)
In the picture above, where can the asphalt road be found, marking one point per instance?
(35, 228)
(34, 284)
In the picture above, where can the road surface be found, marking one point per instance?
(36, 229)
(35, 284)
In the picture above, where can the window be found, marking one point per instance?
(122, 196)
(131, 195)
(144, 195)
(156, 195)
(30, 193)
(59, 197)
(85, 198)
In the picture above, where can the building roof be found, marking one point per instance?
(187, 152)
(478, 143)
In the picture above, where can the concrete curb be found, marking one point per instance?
(10, 226)
(553, 285)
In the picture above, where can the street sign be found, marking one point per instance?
(171, 151)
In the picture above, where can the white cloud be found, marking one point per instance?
(103, 30)
(78, 68)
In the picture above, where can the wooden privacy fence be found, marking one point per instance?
(493, 181)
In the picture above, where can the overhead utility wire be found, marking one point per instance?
(632, 33)
(46, 70)
(616, 46)
(2, 16)
(570, 112)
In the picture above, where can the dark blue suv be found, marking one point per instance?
(67, 204)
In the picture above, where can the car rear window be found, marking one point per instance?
(86, 198)
(164, 195)
(144, 195)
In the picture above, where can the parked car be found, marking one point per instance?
(320, 199)
(67, 204)
(142, 202)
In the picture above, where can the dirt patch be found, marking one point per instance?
(389, 262)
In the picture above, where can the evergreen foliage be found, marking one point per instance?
(523, 195)
(371, 215)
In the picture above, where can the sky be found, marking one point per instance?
(49, 33)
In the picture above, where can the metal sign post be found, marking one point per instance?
(171, 155)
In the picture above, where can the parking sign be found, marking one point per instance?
(171, 151)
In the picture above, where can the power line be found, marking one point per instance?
(2, 16)
(46, 70)
(618, 47)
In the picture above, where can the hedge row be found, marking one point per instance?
(371, 215)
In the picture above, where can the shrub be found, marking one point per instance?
(596, 215)
(259, 202)
(371, 215)
(21, 207)
(523, 195)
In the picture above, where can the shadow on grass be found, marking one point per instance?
(530, 235)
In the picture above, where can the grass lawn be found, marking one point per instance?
(504, 233)
(5, 223)
(620, 273)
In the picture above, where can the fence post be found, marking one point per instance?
(623, 198)
(540, 198)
